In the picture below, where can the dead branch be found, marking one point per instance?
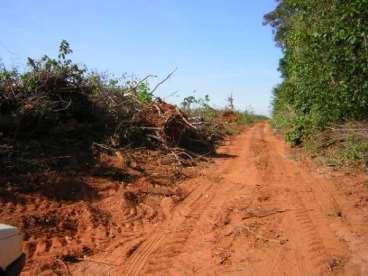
(158, 109)
(157, 138)
(106, 148)
(164, 80)
(348, 129)
(64, 108)
(134, 88)
(183, 152)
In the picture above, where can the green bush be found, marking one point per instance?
(324, 64)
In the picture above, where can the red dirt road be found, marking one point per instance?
(257, 211)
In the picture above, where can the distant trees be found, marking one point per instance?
(324, 64)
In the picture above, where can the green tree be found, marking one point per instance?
(324, 64)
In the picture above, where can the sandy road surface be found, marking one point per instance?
(257, 211)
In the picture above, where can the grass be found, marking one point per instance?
(344, 145)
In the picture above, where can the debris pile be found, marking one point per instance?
(161, 124)
(230, 116)
(82, 155)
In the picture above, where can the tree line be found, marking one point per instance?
(324, 66)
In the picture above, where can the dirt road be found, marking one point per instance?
(257, 211)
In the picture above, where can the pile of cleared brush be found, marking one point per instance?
(344, 144)
(57, 103)
(165, 125)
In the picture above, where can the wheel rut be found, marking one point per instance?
(256, 211)
(157, 248)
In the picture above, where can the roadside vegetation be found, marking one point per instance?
(71, 138)
(322, 102)
(57, 105)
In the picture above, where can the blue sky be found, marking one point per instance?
(219, 47)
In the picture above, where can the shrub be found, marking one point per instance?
(324, 64)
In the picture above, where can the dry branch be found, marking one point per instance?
(164, 80)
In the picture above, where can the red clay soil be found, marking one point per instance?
(259, 210)
(256, 212)
(68, 216)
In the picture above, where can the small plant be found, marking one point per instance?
(144, 93)
(188, 102)
(356, 149)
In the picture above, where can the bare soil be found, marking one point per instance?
(261, 209)
(258, 211)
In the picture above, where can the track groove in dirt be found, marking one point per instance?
(255, 212)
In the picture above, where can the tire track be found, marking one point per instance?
(256, 212)
(156, 253)
(309, 228)
(181, 222)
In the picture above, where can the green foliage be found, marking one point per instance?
(354, 149)
(248, 117)
(324, 64)
(188, 101)
(53, 76)
(197, 106)
(144, 92)
(54, 91)
(352, 152)
(48, 75)
(193, 102)
(295, 135)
